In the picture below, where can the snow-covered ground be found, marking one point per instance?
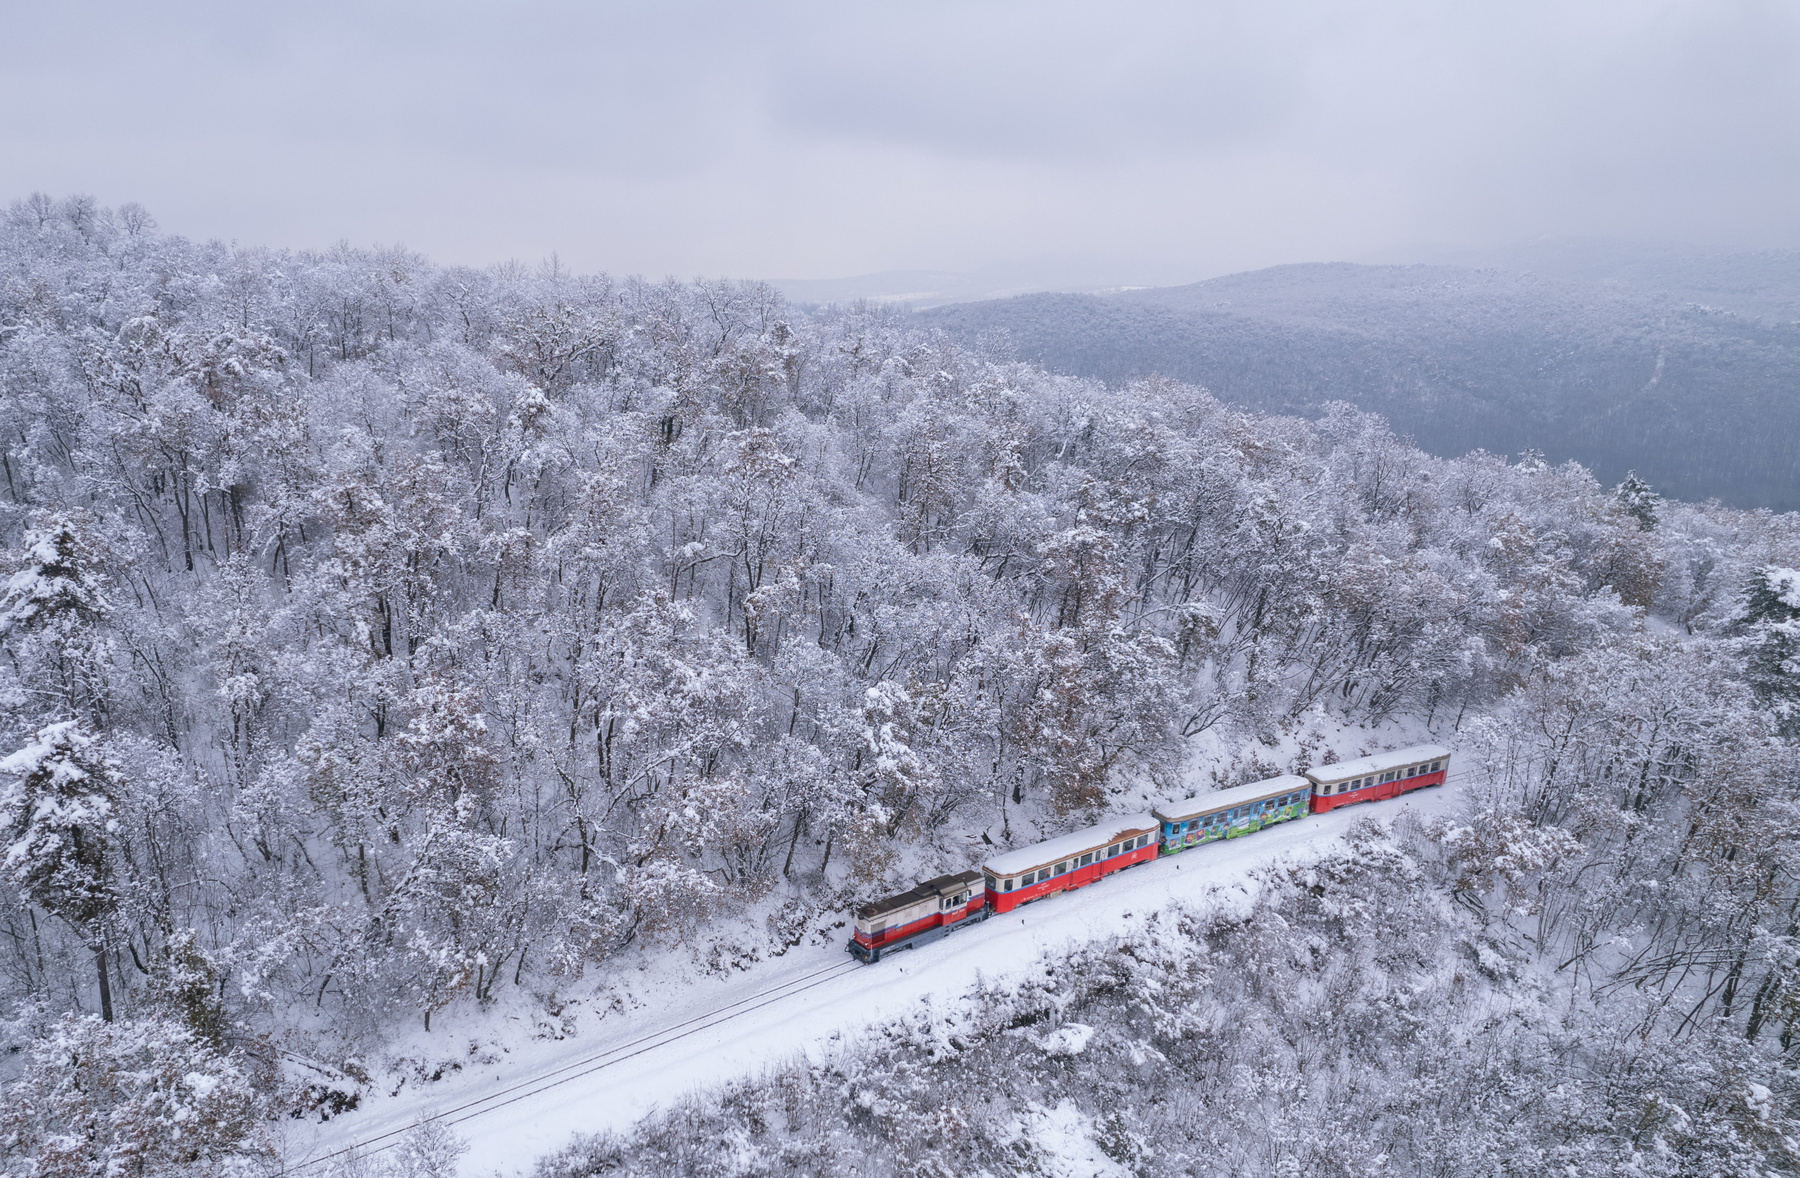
(534, 1096)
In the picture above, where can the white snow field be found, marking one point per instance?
(713, 1029)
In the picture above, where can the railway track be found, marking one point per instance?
(556, 1077)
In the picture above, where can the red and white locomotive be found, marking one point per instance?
(936, 908)
(940, 906)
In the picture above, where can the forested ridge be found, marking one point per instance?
(383, 637)
(1634, 372)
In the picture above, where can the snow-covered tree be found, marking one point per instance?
(1638, 500)
(50, 612)
(59, 830)
(1769, 625)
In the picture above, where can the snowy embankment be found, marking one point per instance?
(701, 1031)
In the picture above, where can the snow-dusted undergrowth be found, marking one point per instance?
(1353, 1021)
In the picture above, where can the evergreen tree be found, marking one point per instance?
(1769, 626)
(51, 609)
(58, 829)
(1638, 500)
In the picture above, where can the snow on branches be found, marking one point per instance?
(144, 1097)
(57, 823)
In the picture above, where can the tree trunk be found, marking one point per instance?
(106, 1011)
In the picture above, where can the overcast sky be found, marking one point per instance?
(816, 140)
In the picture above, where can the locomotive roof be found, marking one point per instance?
(1225, 799)
(931, 889)
(1378, 763)
(1073, 843)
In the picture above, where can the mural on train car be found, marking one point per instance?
(1231, 824)
(1232, 813)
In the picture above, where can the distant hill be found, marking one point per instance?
(1761, 285)
(1626, 370)
(934, 288)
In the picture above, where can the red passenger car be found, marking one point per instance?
(1384, 775)
(1071, 861)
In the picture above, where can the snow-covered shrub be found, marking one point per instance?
(428, 1150)
(144, 1097)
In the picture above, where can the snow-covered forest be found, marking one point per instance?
(384, 638)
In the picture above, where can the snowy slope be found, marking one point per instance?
(715, 1030)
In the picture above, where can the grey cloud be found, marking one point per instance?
(1044, 80)
(526, 87)
(794, 138)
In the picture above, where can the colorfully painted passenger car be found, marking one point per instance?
(1071, 861)
(1384, 775)
(1228, 813)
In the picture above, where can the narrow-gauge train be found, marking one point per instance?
(938, 907)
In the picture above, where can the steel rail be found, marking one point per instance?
(545, 1081)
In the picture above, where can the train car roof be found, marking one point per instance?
(1073, 843)
(1225, 799)
(1377, 763)
(931, 889)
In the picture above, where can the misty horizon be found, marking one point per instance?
(797, 141)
